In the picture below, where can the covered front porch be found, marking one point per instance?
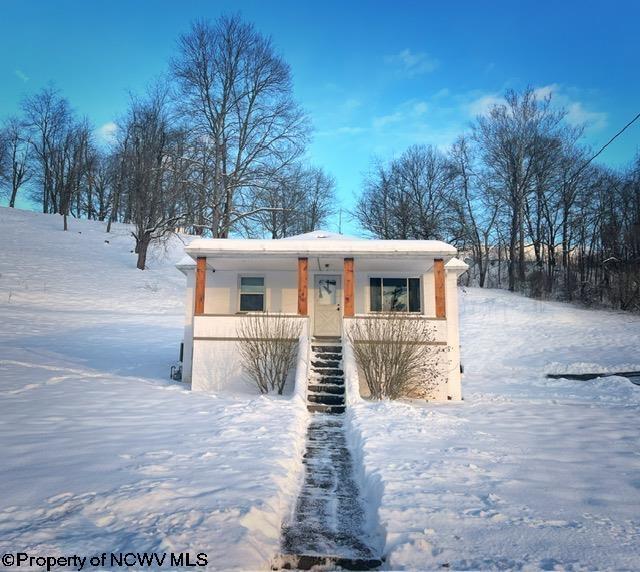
(326, 289)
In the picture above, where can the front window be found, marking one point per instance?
(252, 294)
(394, 294)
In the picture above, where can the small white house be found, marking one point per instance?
(325, 280)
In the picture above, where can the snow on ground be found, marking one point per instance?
(527, 473)
(100, 452)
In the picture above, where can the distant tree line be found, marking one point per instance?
(521, 199)
(218, 147)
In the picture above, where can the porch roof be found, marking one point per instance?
(319, 244)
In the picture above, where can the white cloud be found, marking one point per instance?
(348, 130)
(344, 130)
(420, 107)
(444, 92)
(21, 75)
(578, 115)
(351, 104)
(483, 104)
(385, 120)
(545, 91)
(107, 132)
(578, 112)
(413, 63)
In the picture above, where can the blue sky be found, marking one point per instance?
(374, 76)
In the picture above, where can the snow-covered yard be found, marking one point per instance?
(526, 473)
(100, 452)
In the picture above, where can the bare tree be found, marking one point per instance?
(408, 198)
(47, 116)
(300, 199)
(475, 206)
(514, 138)
(320, 200)
(150, 177)
(267, 346)
(69, 167)
(14, 157)
(396, 355)
(235, 93)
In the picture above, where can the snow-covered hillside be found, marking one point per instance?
(101, 453)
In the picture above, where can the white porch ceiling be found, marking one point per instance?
(328, 264)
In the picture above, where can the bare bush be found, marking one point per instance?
(268, 344)
(396, 355)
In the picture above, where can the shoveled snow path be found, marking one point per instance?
(329, 517)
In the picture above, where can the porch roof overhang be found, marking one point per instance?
(319, 248)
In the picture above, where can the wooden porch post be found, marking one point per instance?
(201, 278)
(303, 286)
(349, 306)
(438, 272)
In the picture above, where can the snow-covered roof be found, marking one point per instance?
(185, 264)
(318, 243)
(322, 234)
(457, 265)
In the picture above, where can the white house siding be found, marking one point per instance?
(187, 352)
(429, 292)
(222, 295)
(216, 360)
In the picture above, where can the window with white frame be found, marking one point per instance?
(394, 294)
(252, 294)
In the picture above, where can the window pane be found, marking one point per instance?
(327, 291)
(394, 294)
(414, 294)
(252, 284)
(375, 294)
(251, 302)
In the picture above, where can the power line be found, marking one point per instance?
(586, 164)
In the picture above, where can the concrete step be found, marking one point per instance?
(320, 408)
(325, 399)
(329, 371)
(325, 363)
(324, 388)
(326, 349)
(327, 380)
(327, 356)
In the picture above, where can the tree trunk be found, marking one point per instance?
(142, 246)
(513, 243)
(499, 265)
(12, 200)
(521, 252)
(481, 270)
(114, 208)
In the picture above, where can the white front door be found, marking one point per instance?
(327, 316)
